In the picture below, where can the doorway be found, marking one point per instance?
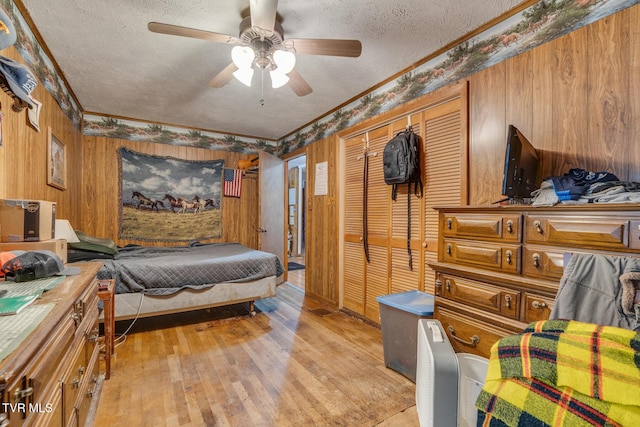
(296, 219)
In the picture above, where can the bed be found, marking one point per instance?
(151, 281)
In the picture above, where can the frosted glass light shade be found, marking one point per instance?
(242, 56)
(284, 60)
(278, 79)
(244, 75)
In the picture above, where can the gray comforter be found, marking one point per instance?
(166, 270)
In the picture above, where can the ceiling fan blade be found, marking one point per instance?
(223, 76)
(263, 14)
(176, 30)
(351, 48)
(298, 84)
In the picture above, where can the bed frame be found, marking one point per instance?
(132, 305)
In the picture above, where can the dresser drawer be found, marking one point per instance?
(599, 233)
(493, 227)
(468, 335)
(89, 387)
(490, 298)
(73, 379)
(542, 262)
(536, 308)
(504, 258)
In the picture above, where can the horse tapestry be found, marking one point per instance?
(165, 199)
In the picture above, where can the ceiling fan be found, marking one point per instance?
(261, 42)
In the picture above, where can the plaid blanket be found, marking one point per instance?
(563, 373)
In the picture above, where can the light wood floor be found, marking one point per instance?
(297, 363)
(296, 277)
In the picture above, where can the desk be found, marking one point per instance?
(106, 293)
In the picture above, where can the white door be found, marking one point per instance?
(272, 213)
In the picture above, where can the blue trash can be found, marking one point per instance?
(399, 315)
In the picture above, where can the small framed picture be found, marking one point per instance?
(56, 162)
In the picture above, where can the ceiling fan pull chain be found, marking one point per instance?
(262, 87)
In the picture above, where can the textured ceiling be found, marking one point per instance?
(115, 66)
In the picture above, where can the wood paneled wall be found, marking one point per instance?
(100, 201)
(23, 153)
(575, 98)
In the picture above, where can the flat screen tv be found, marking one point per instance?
(520, 167)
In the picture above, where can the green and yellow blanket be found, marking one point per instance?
(563, 373)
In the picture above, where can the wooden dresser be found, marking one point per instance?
(50, 379)
(499, 267)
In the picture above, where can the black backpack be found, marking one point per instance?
(401, 162)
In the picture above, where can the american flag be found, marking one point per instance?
(232, 182)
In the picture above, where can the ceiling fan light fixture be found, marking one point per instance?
(284, 60)
(244, 75)
(278, 78)
(242, 56)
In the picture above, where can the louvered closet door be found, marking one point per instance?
(364, 281)
(403, 278)
(445, 179)
(442, 129)
(354, 259)
(378, 215)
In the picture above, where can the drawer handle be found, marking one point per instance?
(510, 227)
(536, 260)
(537, 304)
(474, 339)
(507, 301)
(449, 249)
(449, 223)
(538, 226)
(93, 336)
(509, 257)
(19, 395)
(448, 285)
(438, 286)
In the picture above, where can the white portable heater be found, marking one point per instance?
(447, 384)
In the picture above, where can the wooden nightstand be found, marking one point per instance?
(106, 293)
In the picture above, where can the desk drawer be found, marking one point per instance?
(493, 227)
(536, 308)
(491, 298)
(599, 233)
(504, 258)
(468, 335)
(543, 262)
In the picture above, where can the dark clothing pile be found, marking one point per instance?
(581, 186)
(574, 184)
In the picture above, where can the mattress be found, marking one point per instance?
(167, 270)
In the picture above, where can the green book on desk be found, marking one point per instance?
(13, 305)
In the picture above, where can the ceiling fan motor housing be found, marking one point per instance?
(262, 42)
